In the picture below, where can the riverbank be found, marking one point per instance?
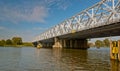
(17, 46)
(25, 44)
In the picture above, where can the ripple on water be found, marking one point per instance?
(32, 59)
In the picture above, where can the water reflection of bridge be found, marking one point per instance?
(84, 60)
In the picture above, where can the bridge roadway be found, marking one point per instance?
(99, 20)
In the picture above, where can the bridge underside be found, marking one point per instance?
(102, 31)
(70, 43)
(78, 39)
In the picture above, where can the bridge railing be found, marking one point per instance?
(103, 13)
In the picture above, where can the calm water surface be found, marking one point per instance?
(46, 59)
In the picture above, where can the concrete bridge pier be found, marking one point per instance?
(78, 44)
(49, 44)
(64, 43)
(57, 43)
(43, 44)
(35, 44)
(70, 43)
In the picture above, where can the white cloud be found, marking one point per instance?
(16, 15)
(60, 4)
(2, 28)
(38, 14)
(29, 11)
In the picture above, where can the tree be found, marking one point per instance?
(99, 43)
(17, 40)
(8, 42)
(2, 42)
(106, 42)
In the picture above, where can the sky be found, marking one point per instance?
(29, 18)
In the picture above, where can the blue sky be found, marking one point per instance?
(28, 18)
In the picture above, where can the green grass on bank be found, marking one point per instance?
(25, 44)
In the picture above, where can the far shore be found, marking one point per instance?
(16, 46)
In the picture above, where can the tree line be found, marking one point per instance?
(100, 43)
(15, 41)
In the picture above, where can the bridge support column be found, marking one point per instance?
(57, 43)
(47, 44)
(71, 44)
(35, 44)
(76, 43)
(80, 44)
(64, 43)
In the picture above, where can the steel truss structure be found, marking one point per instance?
(103, 13)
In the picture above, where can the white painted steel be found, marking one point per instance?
(103, 13)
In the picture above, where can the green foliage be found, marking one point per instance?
(106, 42)
(2, 42)
(17, 40)
(8, 42)
(99, 43)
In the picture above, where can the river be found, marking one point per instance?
(48, 59)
